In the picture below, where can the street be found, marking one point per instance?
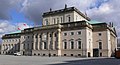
(37, 60)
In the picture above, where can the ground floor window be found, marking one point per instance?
(65, 55)
(100, 54)
(71, 54)
(34, 54)
(38, 54)
(43, 54)
(79, 54)
(54, 54)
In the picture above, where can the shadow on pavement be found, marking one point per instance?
(105, 61)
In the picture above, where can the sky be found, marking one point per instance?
(23, 14)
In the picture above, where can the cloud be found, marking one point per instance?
(100, 10)
(107, 12)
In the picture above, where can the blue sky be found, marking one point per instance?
(15, 13)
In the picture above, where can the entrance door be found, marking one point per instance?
(95, 52)
(88, 54)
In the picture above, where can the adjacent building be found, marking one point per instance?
(64, 32)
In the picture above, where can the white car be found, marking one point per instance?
(17, 54)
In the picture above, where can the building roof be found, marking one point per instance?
(64, 11)
(94, 22)
(19, 31)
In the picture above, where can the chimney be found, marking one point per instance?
(50, 9)
(65, 6)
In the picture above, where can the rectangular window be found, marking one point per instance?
(99, 34)
(45, 45)
(68, 18)
(100, 45)
(79, 32)
(50, 35)
(100, 54)
(72, 45)
(65, 45)
(54, 22)
(72, 33)
(79, 44)
(46, 21)
(61, 20)
(57, 20)
(65, 34)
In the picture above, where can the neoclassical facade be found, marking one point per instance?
(64, 32)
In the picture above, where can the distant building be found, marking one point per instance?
(65, 32)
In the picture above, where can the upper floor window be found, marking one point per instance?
(100, 45)
(68, 18)
(99, 34)
(65, 45)
(76, 17)
(54, 21)
(65, 34)
(79, 32)
(46, 21)
(45, 45)
(72, 33)
(57, 20)
(61, 19)
(72, 45)
(79, 44)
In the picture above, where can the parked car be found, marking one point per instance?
(17, 54)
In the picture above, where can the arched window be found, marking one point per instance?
(72, 45)
(44, 45)
(46, 22)
(64, 45)
(79, 44)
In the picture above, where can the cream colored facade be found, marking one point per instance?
(67, 32)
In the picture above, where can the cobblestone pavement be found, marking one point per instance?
(37, 60)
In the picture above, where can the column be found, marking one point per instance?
(34, 43)
(41, 42)
(48, 41)
(52, 41)
(38, 41)
(59, 42)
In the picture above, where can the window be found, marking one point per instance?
(99, 34)
(79, 54)
(43, 54)
(54, 54)
(65, 45)
(50, 35)
(100, 54)
(76, 17)
(36, 36)
(100, 45)
(57, 20)
(72, 33)
(65, 55)
(68, 18)
(65, 34)
(79, 32)
(55, 35)
(38, 54)
(40, 36)
(61, 20)
(46, 21)
(72, 45)
(71, 54)
(45, 45)
(79, 44)
(28, 37)
(54, 22)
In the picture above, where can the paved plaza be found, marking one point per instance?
(37, 60)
